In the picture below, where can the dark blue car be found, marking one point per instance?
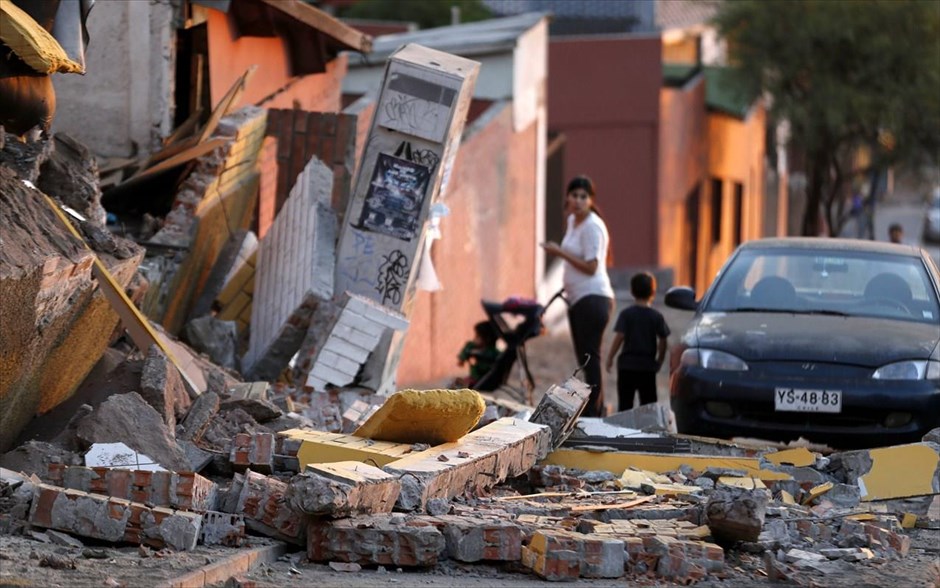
(833, 340)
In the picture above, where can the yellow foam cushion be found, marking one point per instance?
(424, 416)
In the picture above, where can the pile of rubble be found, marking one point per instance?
(433, 482)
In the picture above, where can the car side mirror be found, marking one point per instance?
(681, 297)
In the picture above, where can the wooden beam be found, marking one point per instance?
(323, 22)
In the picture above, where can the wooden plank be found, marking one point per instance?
(323, 22)
(33, 44)
(181, 158)
(138, 326)
(618, 505)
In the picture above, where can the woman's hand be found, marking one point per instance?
(551, 247)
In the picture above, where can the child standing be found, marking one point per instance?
(642, 331)
(481, 353)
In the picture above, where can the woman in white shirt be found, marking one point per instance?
(586, 252)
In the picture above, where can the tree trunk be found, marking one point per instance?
(814, 188)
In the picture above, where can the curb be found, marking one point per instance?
(224, 569)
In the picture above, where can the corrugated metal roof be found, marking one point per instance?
(475, 38)
(585, 17)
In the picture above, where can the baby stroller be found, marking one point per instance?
(516, 320)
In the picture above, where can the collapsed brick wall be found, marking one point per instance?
(295, 137)
(55, 323)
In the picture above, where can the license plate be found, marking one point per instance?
(799, 400)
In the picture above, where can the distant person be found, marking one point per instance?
(586, 253)
(896, 233)
(642, 331)
(480, 353)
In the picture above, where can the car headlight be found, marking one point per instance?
(711, 359)
(908, 370)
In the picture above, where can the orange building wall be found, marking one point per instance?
(736, 154)
(272, 84)
(683, 163)
(487, 249)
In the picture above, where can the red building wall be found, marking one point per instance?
(487, 249)
(603, 94)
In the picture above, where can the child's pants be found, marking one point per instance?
(629, 381)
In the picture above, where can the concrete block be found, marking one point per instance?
(162, 387)
(262, 501)
(424, 416)
(343, 489)
(479, 460)
(375, 540)
(198, 417)
(481, 539)
(560, 408)
(222, 528)
(653, 418)
(113, 519)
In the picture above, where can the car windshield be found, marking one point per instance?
(834, 282)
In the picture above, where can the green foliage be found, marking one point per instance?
(845, 74)
(427, 13)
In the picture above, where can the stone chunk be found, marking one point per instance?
(343, 489)
(198, 417)
(560, 408)
(253, 398)
(736, 514)
(162, 387)
(127, 418)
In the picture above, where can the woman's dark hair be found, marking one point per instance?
(587, 184)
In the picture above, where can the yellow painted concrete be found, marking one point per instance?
(32, 43)
(746, 483)
(900, 471)
(817, 491)
(786, 497)
(798, 456)
(908, 520)
(321, 447)
(618, 461)
(424, 416)
(636, 478)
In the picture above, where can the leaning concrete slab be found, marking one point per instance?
(505, 448)
(405, 162)
(343, 489)
(424, 416)
(293, 274)
(560, 408)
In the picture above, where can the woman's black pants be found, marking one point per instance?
(587, 319)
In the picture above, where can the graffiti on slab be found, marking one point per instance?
(416, 106)
(357, 268)
(395, 198)
(393, 273)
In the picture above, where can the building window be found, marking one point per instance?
(738, 213)
(716, 211)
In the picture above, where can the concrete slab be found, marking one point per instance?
(618, 461)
